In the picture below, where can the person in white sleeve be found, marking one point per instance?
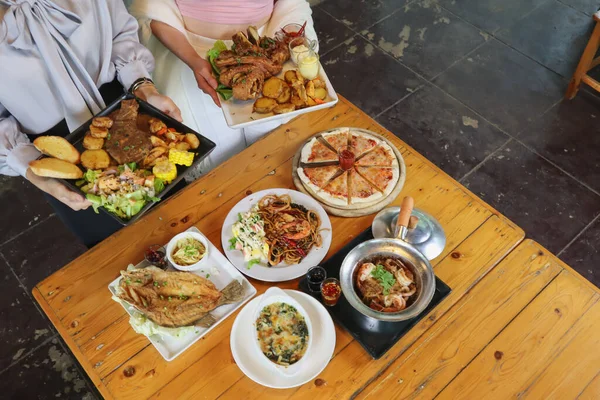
(61, 62)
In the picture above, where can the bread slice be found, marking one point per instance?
(58, 147)
(55, 168)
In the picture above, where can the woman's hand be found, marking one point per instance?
(149, 94)
(59, 191)
(206, 81)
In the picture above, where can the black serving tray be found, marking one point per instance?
(206, 146)
(376, 337)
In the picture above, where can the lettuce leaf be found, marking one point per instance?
(213, 53)
(253, 262)
(159, 185)
(225, 92)
(91, 176)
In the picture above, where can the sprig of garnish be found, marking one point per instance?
(385, 278)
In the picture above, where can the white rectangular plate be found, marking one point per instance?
(170, 347)
(239, 114)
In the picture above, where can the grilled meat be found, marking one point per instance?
(127, 143)
(175, 299)
(269, 67)
(250, 85)
(231, 75)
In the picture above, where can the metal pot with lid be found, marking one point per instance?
(394, 247)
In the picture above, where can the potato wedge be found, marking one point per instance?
(273, 87)
(95, 159)
(157, 142)
(192, 140)
(310, 102)
(320, 93)
(55, 168)
(159, 160)
(92, 143)
(102, 122)
(301, 91)
(290, 76)
(297, 101)
(310, 89)
(154, 154)
(98, 132)
(185, 146)
(264, 105)
(174, 136)
(155, 125)
(318, 82)
(57, 147)
(284, 108)
(285, 96)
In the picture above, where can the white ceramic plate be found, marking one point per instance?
(281, 272)
(239, 114)
(221, 273)
(258, 367)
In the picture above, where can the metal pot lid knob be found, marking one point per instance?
(422, 230)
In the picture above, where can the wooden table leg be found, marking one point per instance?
(585, 63)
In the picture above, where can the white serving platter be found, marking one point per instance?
(281, 272)
(239, 114)
(221, 273)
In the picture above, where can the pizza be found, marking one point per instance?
(337, 139)
(361, 143)
(380, 156)
(316, 151)
(360, 190)
(316, 178)
(383, 178)
(372, 178)
(336, 191)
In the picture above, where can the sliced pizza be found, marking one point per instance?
(360, 190)
(337, 138)
(336, 191)
(380, 156)
(383, 178)
(315, 151)
(362, 143)
(317, 177)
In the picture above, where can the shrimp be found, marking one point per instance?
(299, 230)
(402, 277)
(394, 302)
(364, 271)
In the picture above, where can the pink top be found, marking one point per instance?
(226, 12)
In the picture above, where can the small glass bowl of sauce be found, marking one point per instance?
(331, 290)
(155, 254)
(346, 157)
(315, 276)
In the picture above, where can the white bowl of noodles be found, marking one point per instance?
(187, 251)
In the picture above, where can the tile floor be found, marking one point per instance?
(474, 85)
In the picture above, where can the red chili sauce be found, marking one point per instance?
(347, 159)
(331, 292)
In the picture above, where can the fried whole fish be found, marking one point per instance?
(175, 299)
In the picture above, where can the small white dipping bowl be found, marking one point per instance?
(173, 242)
(276, 295)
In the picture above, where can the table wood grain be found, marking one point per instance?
(518, 321)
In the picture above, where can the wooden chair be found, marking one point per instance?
(586, 63)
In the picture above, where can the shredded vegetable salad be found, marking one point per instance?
(122, 190)
(249, 237)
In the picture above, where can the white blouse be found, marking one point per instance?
(53, 57)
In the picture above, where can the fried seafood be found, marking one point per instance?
(175, 299)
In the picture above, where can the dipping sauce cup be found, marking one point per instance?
(155, 255)
(315, 276)
(331, 290)
(346, 157)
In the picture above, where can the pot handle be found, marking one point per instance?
(404, 217)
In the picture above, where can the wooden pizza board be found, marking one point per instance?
(353, 210)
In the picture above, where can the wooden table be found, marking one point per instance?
(518, 322)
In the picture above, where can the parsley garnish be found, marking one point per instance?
(385, 278)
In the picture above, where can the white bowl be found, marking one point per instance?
(276, 295)
(183, 235)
